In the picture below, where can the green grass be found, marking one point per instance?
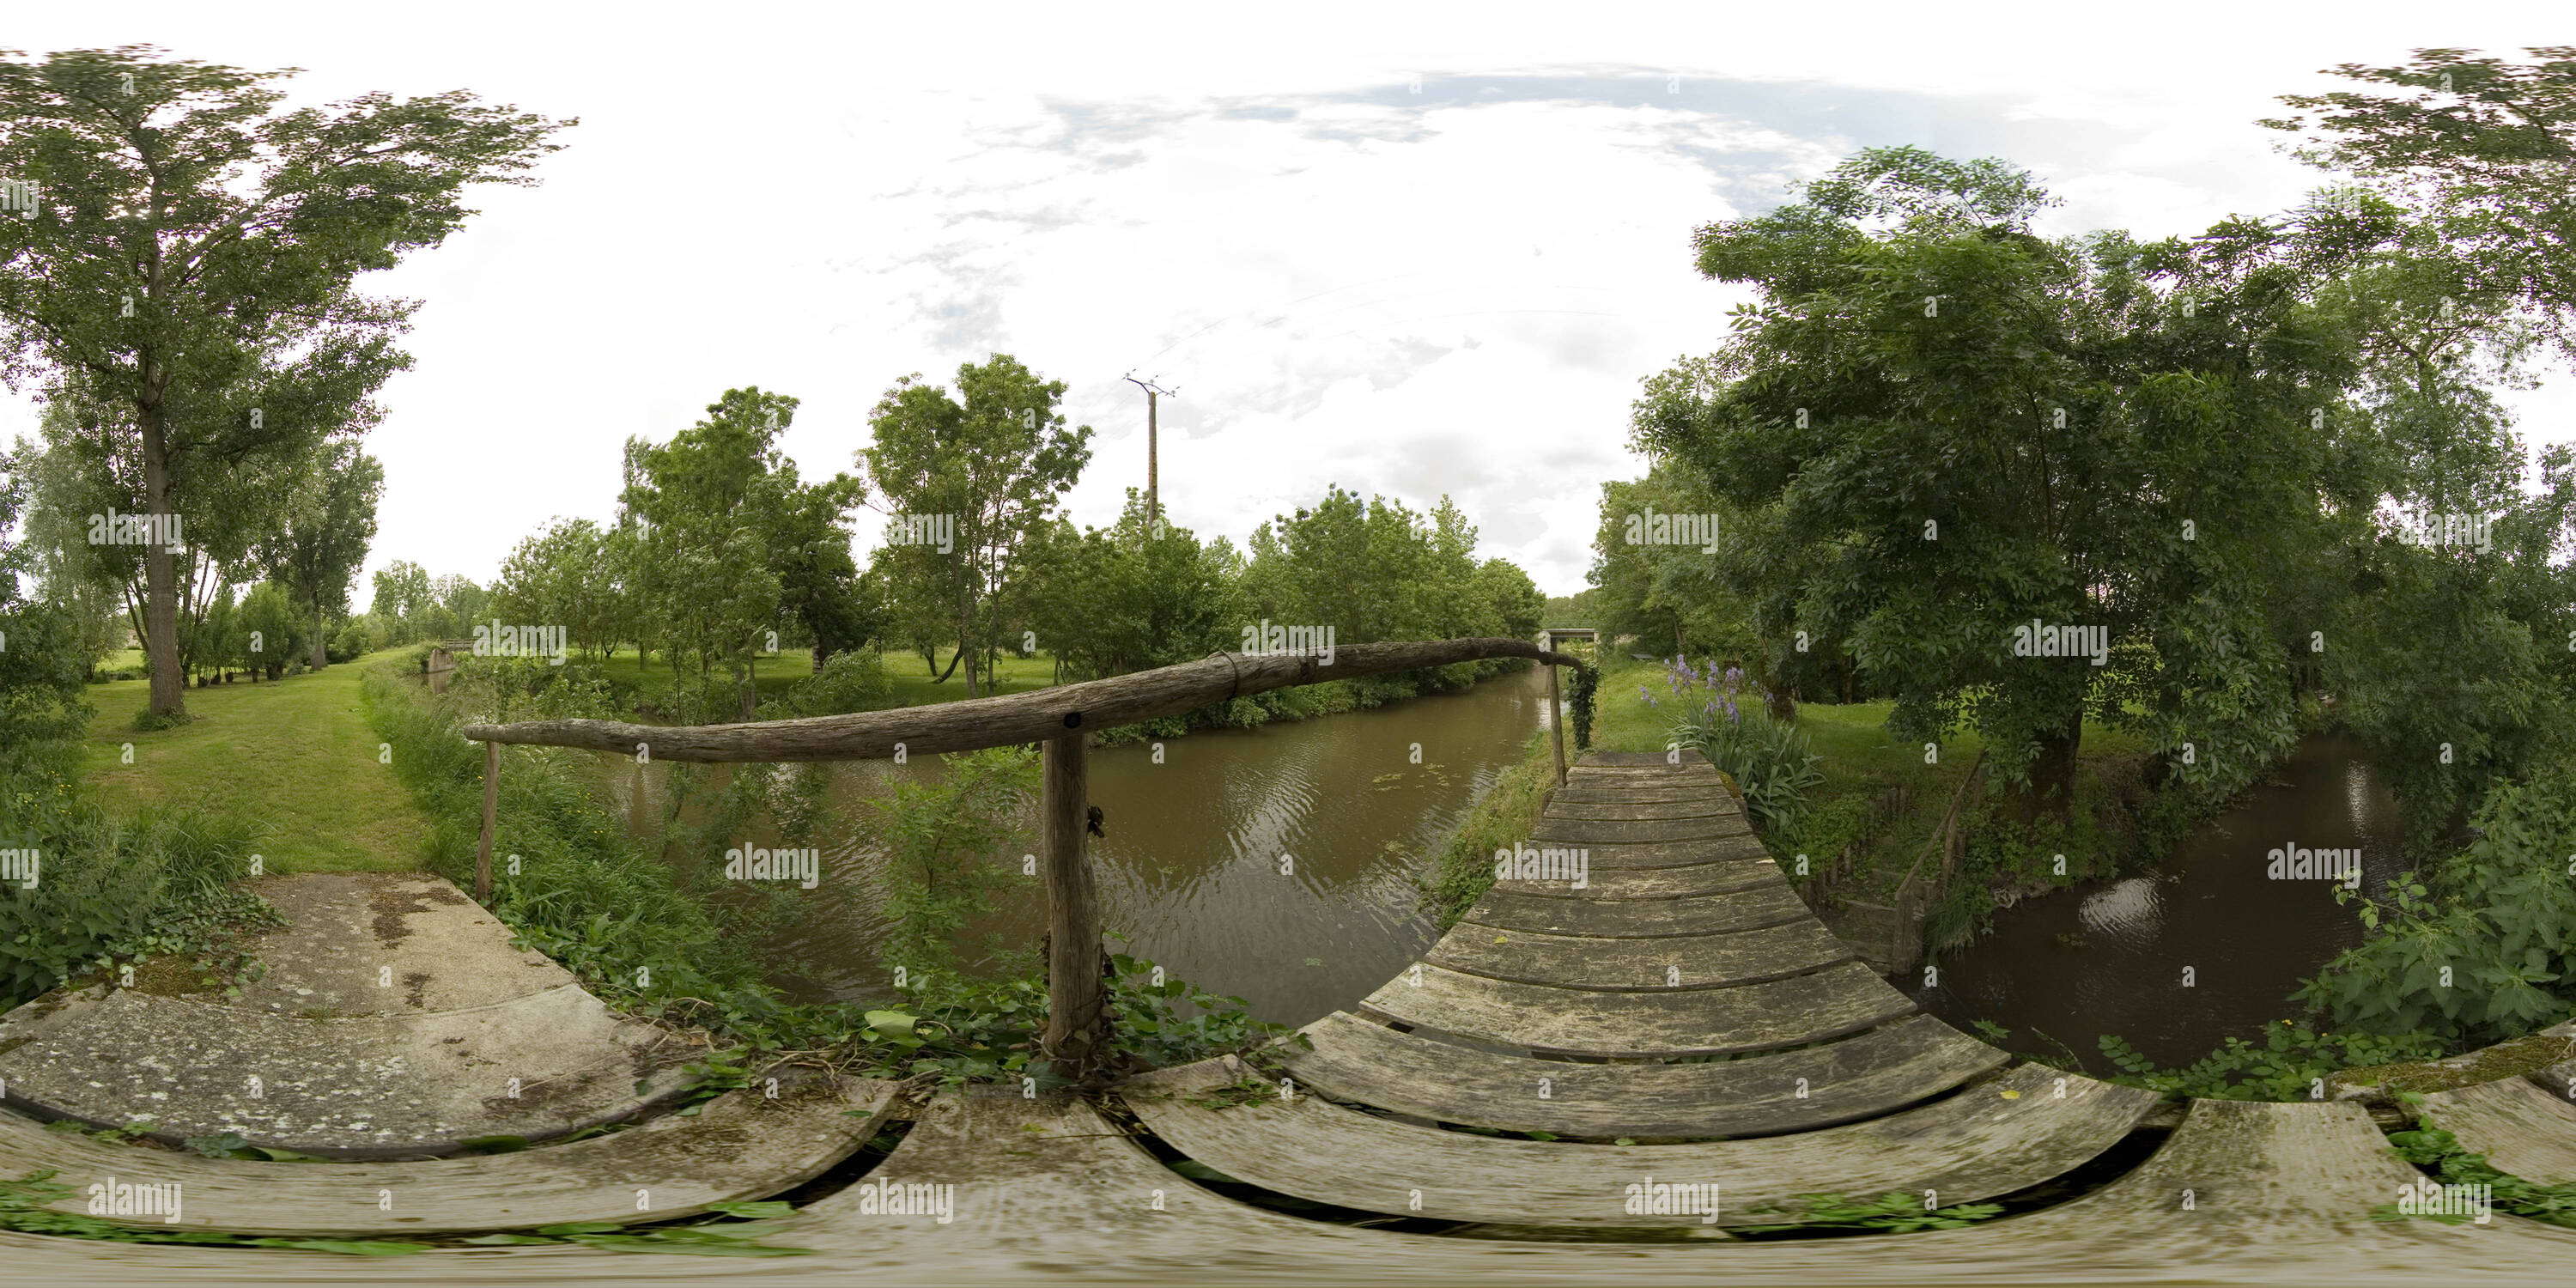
(1852, 737)
(296, 756)
(912, 688)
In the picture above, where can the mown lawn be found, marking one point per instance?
(912, 688)
(296, 756)
(1852, 738)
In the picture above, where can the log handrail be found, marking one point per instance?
(1009, 719)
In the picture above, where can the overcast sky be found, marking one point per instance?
(1411, 251)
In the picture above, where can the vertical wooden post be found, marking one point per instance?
(1556, 722)
(491, 807)
(1076, 994)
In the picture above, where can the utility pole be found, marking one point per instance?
(1153, 497)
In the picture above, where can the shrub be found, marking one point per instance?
(2477, 945)
(849, 681)
(349, 643)
(103, 876)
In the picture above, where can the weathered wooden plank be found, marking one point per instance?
(1586, 831)
(1595, 792)
(1611, 882)
(1748, 907)
(1862, 1076)
(1045, 1188)
(1646, 759)
(1688, 807)
(1663, 854)
(2250, 1191)
(1077, 965)
(1699, 776)
(1647, 965)
(2520, 1127)
(1819, 1007)
(1973, 1145)
(742, 1146)
(1011, 718)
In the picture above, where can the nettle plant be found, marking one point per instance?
(2477, 945)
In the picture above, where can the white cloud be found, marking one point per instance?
(1455, 290)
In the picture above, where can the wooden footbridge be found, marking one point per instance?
(1643, 1003)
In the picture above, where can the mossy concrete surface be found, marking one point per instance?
(393, 1019)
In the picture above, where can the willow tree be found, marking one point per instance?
(190, 253)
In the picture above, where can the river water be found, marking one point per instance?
(1190, 871)
(2109, 957)
(1189, 863)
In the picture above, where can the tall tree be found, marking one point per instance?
(194, 255)
(987, 467)
(1986, 429)
(734, 547)
(2483, 151)
(316, 552)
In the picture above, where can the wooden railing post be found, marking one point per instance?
(491, 808)
(1076, 990)
(1556, 722)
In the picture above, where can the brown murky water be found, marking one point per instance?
(2109, 957)
(1190, 866)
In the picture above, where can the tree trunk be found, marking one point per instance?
(2052, 775)
(161, 593)
(321, 656)
(952, 666)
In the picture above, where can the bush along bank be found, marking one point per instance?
(641, 917)
(88, 888)
(1462, 869)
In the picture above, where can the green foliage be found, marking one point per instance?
(725, 551)
(1770, 760)
(1579, 701)
(2434, 1148)
(947, 846)
(2460, 138)
(273, 632)
(1462, 870)
(1669, 593)
(246, 344)
(2479, 945)
(110, 884)
(852, 681)
(991, 463)
(322, 534)
(570, 575)
(1128, 598)
(1889, 418)
(2290, 1064)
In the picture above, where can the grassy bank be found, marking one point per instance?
(1462, 870)
(295, 758)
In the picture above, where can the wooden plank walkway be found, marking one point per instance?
(741, 1146)
(1586, 999)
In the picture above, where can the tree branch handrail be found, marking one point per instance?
(1009, 719)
